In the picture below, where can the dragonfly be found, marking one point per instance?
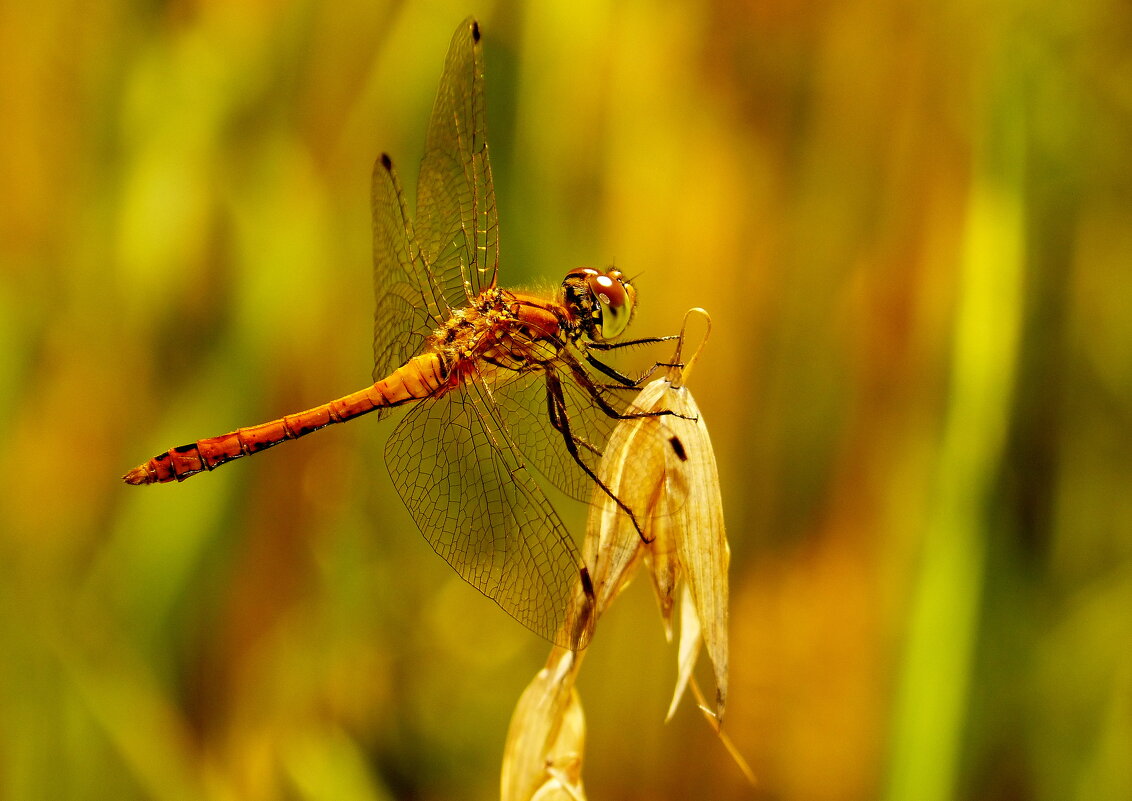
(500, 381)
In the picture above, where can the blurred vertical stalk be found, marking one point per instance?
(942, 622)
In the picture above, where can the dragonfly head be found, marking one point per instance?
(602, 303)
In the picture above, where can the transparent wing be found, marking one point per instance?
(466, 487)
(523, 400)
(409, 304)
(457, 221)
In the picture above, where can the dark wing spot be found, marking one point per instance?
(386, 162)
(475, 31)
(678, 446)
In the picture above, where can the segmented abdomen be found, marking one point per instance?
(420, 377)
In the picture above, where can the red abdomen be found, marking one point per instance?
(420, 377)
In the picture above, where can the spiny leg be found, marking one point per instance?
(556, 409)
(624, 381)
(594, 391)
(616, 374)
(628, 343)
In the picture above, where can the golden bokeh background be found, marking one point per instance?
(911, 223)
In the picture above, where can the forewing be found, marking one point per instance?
(470, 494)
(457, 221)
(409, 303)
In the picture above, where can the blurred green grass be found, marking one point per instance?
(910, 224)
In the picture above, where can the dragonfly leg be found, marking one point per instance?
(556, 408)
(612, 372)
(620, 377)
(624, 383)
(594, 391)
(628, 343)
(623, 380)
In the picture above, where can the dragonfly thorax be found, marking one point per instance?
(503, 329)
(600, 303)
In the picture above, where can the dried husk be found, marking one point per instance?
(663, 467)
(542, 758)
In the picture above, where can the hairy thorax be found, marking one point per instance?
(503, 330)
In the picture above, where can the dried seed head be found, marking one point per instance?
(664, 469)
(542, 758)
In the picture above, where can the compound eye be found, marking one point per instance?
(615, 303)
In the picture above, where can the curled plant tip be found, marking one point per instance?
(542, 758)
(663, 468)
(679, 371)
